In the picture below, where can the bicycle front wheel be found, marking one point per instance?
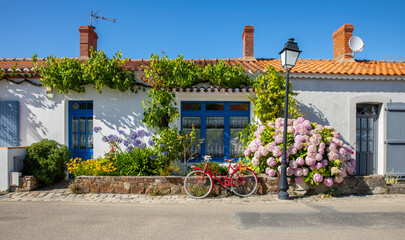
(243, 183)
(198, 184)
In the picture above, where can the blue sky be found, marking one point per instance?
(202, 29)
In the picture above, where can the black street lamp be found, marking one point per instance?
(288, 56)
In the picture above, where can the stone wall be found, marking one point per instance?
(155, 185)
(352, 185)
(27, 183)
(164, 185)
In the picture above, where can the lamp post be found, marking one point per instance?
(288, 56)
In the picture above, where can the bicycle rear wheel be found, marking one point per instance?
(243, 183)
(198, 184)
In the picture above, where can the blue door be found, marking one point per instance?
(9, 123)
(81, 129)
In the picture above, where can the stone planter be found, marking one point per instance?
(163, 185)
(159, 185)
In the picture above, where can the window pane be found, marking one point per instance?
(83, 105)
(371, 123)
(357, 123)
(370, 135)
(75, 124)
(82, 124)
(191, 106)
(363, 146)
(89, 105)
(370, 146)
(239, 107)
(187, 124)
(237, 124)
(364, 123)
(89, 124)
(89, 141)
(363, 136)
(215, 106)
(215, 136)
(82, 141)
(75, 141)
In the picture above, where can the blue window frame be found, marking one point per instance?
(81, 129)
(218, 123)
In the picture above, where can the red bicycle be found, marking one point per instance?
(239, 179)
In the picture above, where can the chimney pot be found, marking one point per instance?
(341, 48)
(88, 40)
(248, 43)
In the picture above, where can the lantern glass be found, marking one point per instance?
(288, 58)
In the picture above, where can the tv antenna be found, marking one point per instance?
(356, 44)
(99, 17)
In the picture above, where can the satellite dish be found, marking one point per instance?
(356, 44)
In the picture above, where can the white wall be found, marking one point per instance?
(41, 117)
(333, 102)
(6, 164)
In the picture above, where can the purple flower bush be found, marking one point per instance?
(135, 154)
(315, 153)
(131, 141)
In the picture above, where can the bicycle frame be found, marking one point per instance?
(226, 183)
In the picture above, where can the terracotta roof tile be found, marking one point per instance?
(312, 66)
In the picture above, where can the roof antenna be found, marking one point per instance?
(99, 17)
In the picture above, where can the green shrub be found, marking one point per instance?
(46, 160)
(142, 162)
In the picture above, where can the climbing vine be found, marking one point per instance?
(269, 98)
(64, 74)
(165, 74)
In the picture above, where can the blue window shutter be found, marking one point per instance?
(9, 123)
(396, 138)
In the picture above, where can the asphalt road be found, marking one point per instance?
(278, 220)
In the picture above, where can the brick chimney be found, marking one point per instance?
(247, 38)
(88, 39)
(341, 48)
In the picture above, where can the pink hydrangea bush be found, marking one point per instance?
(315, 153)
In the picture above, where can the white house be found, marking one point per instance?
(364, 100)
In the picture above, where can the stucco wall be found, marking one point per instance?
(333, 102)
(41, 117)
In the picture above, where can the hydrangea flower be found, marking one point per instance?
(271, 162)
(300, 161)
(255, 162)
(270, 172)
(318, 178)
(310, 147)
(299, 172)
(328, 182)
